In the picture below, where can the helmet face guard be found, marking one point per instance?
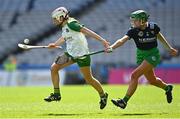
(60, 15)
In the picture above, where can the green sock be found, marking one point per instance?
(56, 91)
(126, 98)
(166, 88)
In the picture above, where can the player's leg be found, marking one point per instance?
(60, 63)
(87, 73)
(153, 80)
(139, 71)
(55, 75)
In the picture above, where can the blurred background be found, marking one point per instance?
(20, 19)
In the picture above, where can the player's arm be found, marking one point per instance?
(59, 42)
(120, 42)
(163, 40)
(94, 35)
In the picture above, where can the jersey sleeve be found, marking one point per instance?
(156, 29)
(130, 33)
(75, 25)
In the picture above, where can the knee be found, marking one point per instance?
(134, 76)
(54, 68)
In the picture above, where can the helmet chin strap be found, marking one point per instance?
(143, 22)
(64, 18)
(67, 15)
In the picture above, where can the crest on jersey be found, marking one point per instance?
(67, 30)
(152, 32)
(140, 33)
(153, 58)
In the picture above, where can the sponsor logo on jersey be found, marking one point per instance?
(68, 38)
(140, 33)
(147, 40)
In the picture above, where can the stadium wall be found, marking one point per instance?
(34, 75)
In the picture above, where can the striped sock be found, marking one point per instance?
(126, 98)
(56, 91)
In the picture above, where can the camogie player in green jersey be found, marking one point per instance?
(145, 35)
(73, 34)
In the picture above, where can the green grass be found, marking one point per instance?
(83, 102)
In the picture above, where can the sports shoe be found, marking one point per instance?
(103, 101)
(119, 103)
(53, 97)
(169, 93)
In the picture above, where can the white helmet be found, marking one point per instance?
(60, 11)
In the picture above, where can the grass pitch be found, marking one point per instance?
(83, 102)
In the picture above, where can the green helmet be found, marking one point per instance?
(139, 15)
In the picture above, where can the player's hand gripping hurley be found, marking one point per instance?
(96, 52)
